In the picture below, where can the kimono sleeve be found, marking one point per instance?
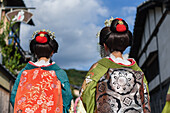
(166, 108)
(15, 87)
(88, 91)
(67, 97)
(88, 97)
(146, 83)
(66, 91)
(145, 99)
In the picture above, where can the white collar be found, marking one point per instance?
(42, 63)
(119, 60)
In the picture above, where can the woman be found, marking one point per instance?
(115, 84)
(42, 86)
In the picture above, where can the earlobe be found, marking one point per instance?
(105, 47)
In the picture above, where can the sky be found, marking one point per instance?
(76, 23)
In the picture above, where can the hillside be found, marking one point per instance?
(76, 77)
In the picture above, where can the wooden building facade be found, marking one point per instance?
(7, 79)
(150, 48)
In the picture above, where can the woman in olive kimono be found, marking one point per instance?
(43, 45)
(166, 108)
(115, 84)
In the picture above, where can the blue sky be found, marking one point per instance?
(76, 23)
(125, 9)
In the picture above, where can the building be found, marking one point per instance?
(6, 77)
(6, 82)
(150, 48)
(8, 6)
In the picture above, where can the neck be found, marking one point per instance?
(117, 54)
(44, 58)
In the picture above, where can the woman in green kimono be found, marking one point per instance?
(167, 104)
(115, 84)
(43, 46)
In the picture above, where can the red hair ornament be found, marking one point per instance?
(120, 27)
(41, 38)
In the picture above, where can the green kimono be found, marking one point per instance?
(89, 87)
(167, 104)
(62, 76)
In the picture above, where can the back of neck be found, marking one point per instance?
(117, 54)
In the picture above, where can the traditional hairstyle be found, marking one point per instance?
(103, 33)
(43, 44)
(102, 39)
(118, 39)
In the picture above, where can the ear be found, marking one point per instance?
(105, 47)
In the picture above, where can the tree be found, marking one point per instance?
(10, 53)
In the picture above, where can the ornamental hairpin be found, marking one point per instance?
(107, 23)
(52, 36)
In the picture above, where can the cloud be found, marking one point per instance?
(129, 15)
(75, 25)
(128, 10)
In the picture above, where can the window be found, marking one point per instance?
(151, 66)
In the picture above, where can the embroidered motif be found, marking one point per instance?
(101, 87)
(91, 74)
(127, 101)
(122, 81)
(107, 104)
(88, 79)
(41, 92)
(120, 90)
(132, 110)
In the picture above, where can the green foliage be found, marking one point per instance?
(11, 56)
(76, 77)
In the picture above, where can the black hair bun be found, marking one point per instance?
(43, 40)
(118, 25)
(103, 35)
(54, 45)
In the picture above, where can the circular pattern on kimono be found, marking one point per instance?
(122, 81)
(131, 110)
(107, 104)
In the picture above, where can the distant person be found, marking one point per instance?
(42, 86)
(78, 107)
(115, 84)
(166, 108)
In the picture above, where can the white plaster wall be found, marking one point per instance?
(154, 83)
(164, 48)
(152, 46)
(164, 8)
(146, 30)
(142, 59)
(158, 14)
(151, 20)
